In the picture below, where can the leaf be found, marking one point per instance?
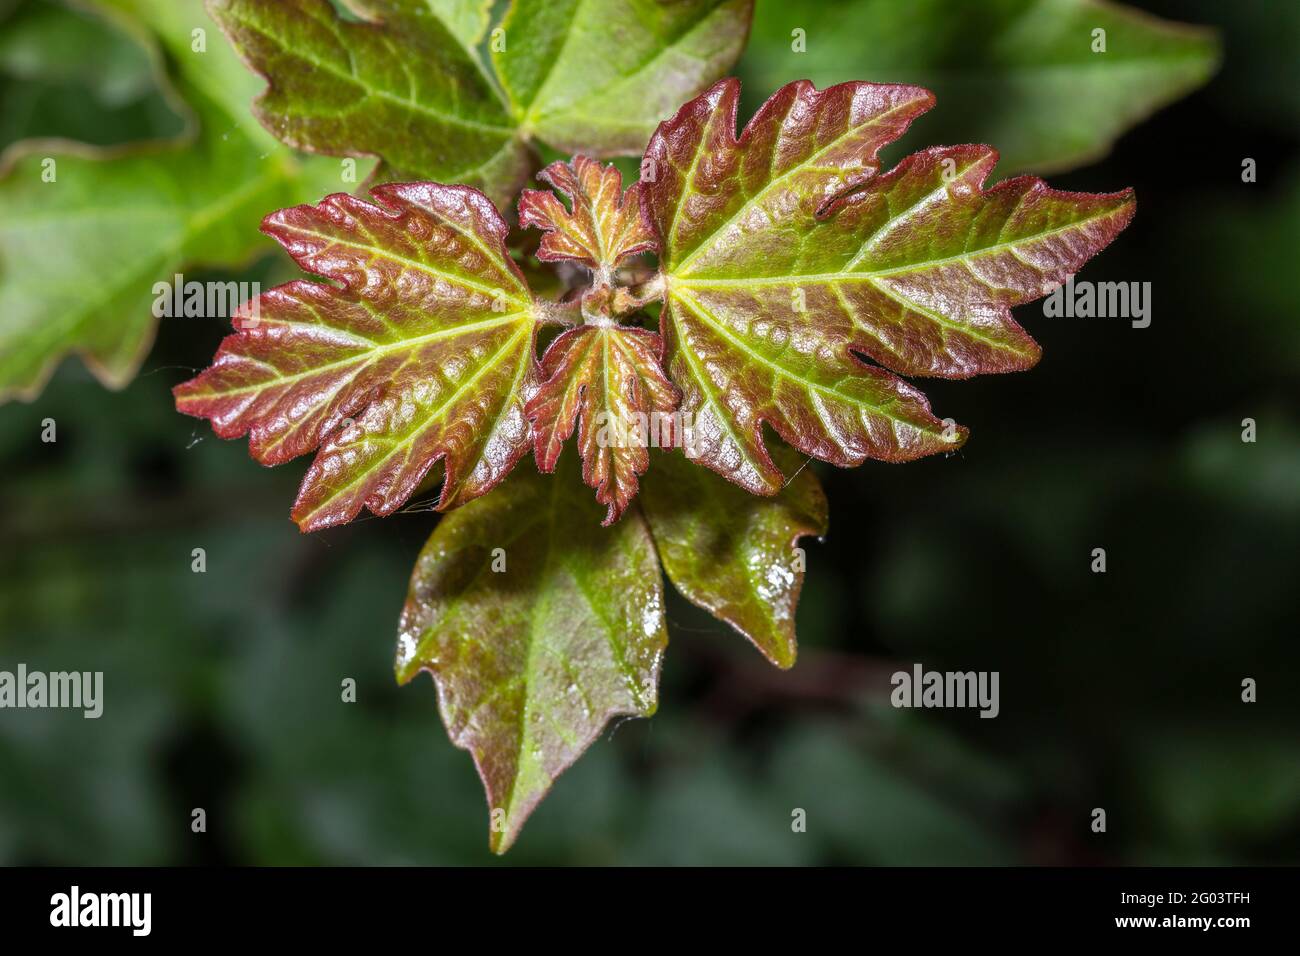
(407, 83)
(79, 256)
(609, 377)
(732, 553)
(597, 76)
(605, 226)
(531, 661)
(785, 257)
(421, 354)
(399, 84)
(1018, 73)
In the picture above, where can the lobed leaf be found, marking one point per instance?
(421, 353)
(406, 82)
(732, 553)
(399, 84)
(609, 378)
(537, 626)
(786, 258)
(605, 226)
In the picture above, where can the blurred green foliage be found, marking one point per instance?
(1118, 690)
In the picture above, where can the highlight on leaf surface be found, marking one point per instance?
(421, 353)
(530, 670)
(735, 554)
(787, 263)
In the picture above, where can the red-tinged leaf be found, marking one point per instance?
(786, 259)
(537, 626)
(606, 224)
(607, 378)
(421, 353)
(732, 553)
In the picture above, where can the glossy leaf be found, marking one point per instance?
(732, 553)
(1020, 74)
(786, 257)
(407, 83)
(537, 626)
(608, 377)
(421, 354)
(80, 255)
(605, 225)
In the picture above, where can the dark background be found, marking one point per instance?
(1118, 690)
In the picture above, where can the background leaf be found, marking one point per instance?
(399, 86)
(597, 76)
(409, 86)
(79, 256)
(1016, 74)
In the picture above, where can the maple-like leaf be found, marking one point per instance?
(421, 353)
(538, 626)
(404, 79)
(785, 258)
(732, 553)
(604, 228)
(607, 378)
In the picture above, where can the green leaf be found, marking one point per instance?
(597, 76)
(407, 84)
(47, 43)
(732, 553)
(537, 626)
(399, 85)
(1020, 74)
(79, 256)
(422, 353)
(785, 258)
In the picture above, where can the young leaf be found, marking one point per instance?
(422, 353)
(785, 257)
(732, 553)
(537, 626)
(80, 253)
(1030, 77)
(609, 377)
(605, 226)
